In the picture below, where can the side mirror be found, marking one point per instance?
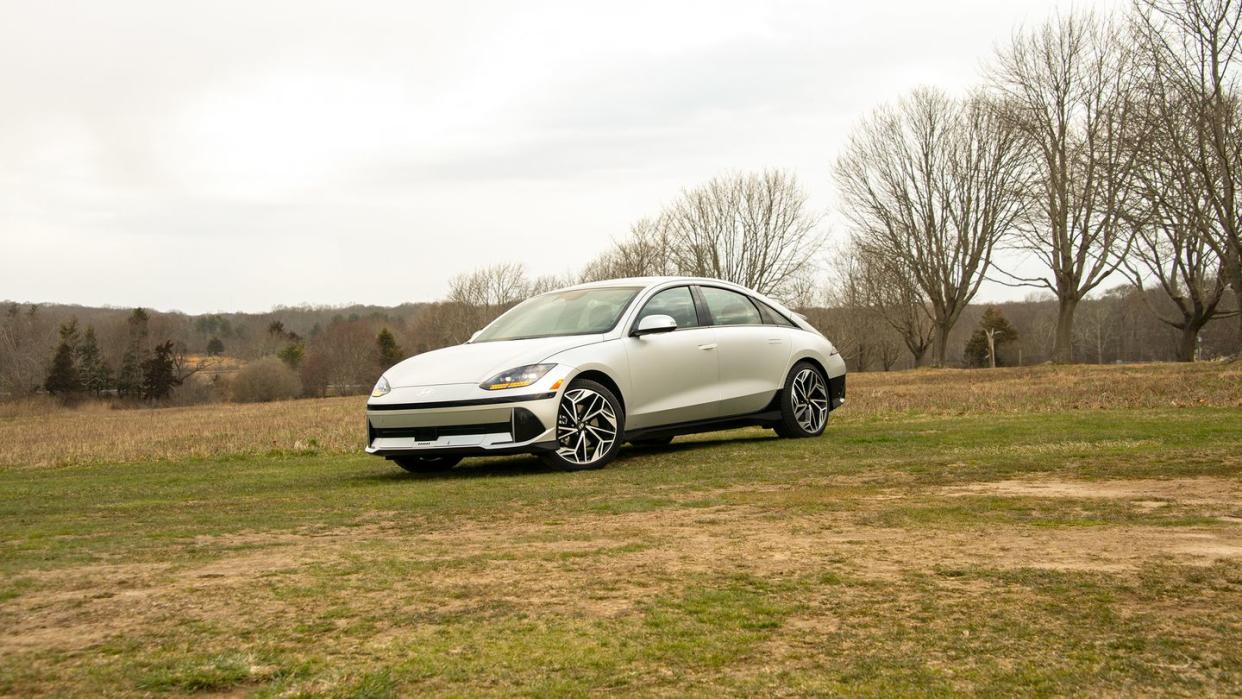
(655, 324)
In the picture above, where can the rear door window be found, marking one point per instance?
(729, 307)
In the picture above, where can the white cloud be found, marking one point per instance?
(241, 155)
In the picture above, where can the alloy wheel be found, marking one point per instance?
(586, 426)
(809, 396)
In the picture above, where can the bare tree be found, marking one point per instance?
(341, 359)
(1066, 86)
(550, 282)
(1177, 242)
(185, 366)
(1192, 55)
(476, 298)
(26, 341)
(933, 184)
(647, 251)
(847, 316)
(1100, 322)
(888, 287)
(857, 326)
(804, 289)
(754, 230)
(886, 351)
(498, 285)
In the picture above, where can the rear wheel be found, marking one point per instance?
(426, 464)
(804, 403)
(589, 424)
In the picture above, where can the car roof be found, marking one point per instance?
(646, 282)
(649, 282)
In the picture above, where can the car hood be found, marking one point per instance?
(476, 362)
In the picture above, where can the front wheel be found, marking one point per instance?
(589, 425)
(804, 403)
(426, 464)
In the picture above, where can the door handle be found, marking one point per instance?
(774, 341)
(709, 346)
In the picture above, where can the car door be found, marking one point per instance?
(753, 355)
(672, 374)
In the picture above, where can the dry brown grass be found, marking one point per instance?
(1047, 388)
(94, 433)
(39, 433)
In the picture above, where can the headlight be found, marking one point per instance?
(381, 388)
(517, 377)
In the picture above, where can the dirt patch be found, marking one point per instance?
(1148, 493)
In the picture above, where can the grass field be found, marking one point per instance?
(1029, 531)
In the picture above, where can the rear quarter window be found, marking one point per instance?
(772, 317)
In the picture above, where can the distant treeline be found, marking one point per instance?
(140, 355)
(144, 355)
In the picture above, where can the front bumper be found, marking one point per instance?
(836, 391)
(524, 421)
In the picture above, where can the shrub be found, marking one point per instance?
(200, 390)
(265, 380)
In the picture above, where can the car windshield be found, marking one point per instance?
(573, 312)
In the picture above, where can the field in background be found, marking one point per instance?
(42, 434)
(1037, 531)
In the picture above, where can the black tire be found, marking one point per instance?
(586, 453)
(652, 442)
(427, 464)
(794, 418)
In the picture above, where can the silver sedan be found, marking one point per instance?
(572, 374)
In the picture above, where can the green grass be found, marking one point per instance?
(873, 561)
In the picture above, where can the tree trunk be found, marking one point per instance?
(941, 345)
(918, 356)
(1237, 294)
(1189, 342)
(1233, 272)
(1062, 348)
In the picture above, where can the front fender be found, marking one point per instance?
(608, 358)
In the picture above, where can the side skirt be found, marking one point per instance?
(763, 418)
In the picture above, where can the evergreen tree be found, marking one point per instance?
(69, 334)
(129, 378)
(213, 325)
(985, 344)
(389, 351)
(94, 372)
(159, 373)
(215, 347)
(291, 351)
(129, 381)
(138, 321)
(62, 377)
(292, 354)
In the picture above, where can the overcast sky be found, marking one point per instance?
(235, 156)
